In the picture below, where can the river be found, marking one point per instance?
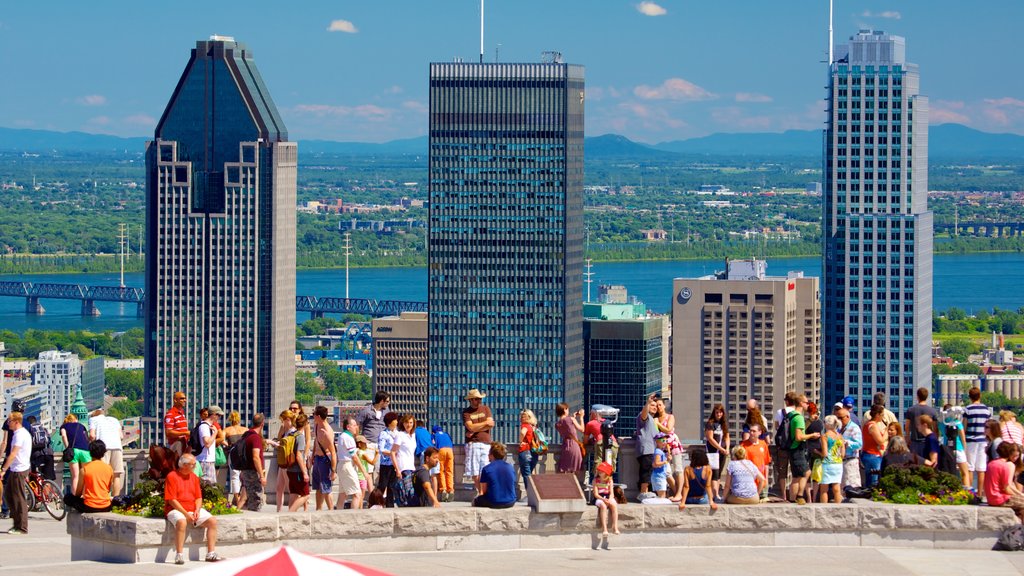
(970, 281)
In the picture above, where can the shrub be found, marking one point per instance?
(921, 485)
(147, 500)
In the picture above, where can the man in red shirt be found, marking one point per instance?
(183, 505)
(176, 424)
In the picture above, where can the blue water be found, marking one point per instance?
(972, 282)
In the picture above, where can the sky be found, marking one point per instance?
(656, 70)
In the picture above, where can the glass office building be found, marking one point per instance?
(505, 240)
(877, 227)
(220, 258)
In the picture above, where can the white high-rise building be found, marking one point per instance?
(58, 375)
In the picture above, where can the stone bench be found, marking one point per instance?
(116, 538)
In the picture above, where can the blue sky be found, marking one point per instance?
(656, 70)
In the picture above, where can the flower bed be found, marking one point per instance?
(147, 500)
(922, 485)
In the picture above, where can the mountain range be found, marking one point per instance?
(948, 141)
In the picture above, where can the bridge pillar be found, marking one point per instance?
(89, 308)
(32, 305)
(314, 315)
(140, 310)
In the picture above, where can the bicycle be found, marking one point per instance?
(39, 490)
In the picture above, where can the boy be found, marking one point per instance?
(659, 469)
(446, 460)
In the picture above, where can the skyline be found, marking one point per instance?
(660, 79)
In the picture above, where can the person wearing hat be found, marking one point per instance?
(108, 430)
(479, 422)
(604, 498)
(208, 440)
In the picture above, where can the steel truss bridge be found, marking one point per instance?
(33, 292)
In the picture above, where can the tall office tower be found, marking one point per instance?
(742, 334)
(220, 257)
(877, 227)
(622, 359)
(400, 361)
(505, 281)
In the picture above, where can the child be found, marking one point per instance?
(604, 498)
(376, 499)
(953, 426)
(659, 472)
(365, 461)
(757, 453)
(446, 461)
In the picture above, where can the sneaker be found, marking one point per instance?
(214, 557)
(179, 559)
(4, 515)
(801, 501)
(14, 531)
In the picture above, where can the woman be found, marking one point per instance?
(569, 426)
(74, 436)
(287, 419)
(667, 425)
(1009, 429)
(232, 434)
(526, 457)
(993, 435)
(929, 449)
(876, 437)
(1000, 489)
(894, 429)
(833, 448)
(743, 481)
(404, 451)
(898, 454)
(716, 440)
(754, 416)
(307, 431)
(696, 478)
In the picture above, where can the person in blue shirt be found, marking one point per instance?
(446, 460)
(423, 439)
(497, 481)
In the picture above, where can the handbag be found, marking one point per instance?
(817, 470)
(221, 457)
(68, 455)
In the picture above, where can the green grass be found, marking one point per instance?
(985, 339)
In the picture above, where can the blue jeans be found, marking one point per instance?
(527, 462)
(698, 500)
(872, 469)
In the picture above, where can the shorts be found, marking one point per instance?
(436, 470)
(296, 485)
(476, 457)
(677, 463)
(209, 472)
(851, 473)
(253, 490)
(977, 460)
(348, 482)
(115, 459)
(81, 457)
(364, 485)
(646, 462)
(659, 483)
(798, 463)
(780, 464)
(235, 484)
(322, 474)
(961, 458)
(1016, 503)
(174, 516)
(697, 499)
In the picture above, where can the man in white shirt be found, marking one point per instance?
(208, 439)
(348, 480)
(108, 429)
(15, 473)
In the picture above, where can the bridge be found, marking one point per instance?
(33, 292)
(982, 229)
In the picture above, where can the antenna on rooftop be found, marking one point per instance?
(830, 42)
(348, 252)
(590, 276)
(481, 31)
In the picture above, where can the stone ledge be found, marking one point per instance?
(116, 538)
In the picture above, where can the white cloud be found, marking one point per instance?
(364, 111)
(650, 9)
(948, 111)
(144, 120)
(753, 97)
(673, 89)
(342, 26)
(92, 100)
(100, 120)
(887, 14)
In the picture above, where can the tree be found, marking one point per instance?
(959, 348)
(125, 409)
(127, 383)
(306, 388)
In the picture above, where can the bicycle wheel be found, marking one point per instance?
(52, 500)
(30, 498)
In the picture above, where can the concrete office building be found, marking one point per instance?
(877, 227)
(220, 258)
(58, 375)
(742, 334)
(400, 361)
(93, 382)
(505, 239)
(622, 360)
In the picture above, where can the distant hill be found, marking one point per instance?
(947, 141)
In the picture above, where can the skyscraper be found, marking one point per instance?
(877, 227)
(400, 361)
(220, 225)
(505, 240)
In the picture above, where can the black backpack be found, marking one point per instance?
(40, 439)
(783, 438)
(195, 441)
(240, 457)
(1012, 539)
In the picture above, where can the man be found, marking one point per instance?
(107, 429)
(887, 416)
(646, 430)
(92, 494)
(15, 473)
(370, 418)
(42, 450)
(16, 406)
(751, 406)
(975, 416)
(915, 441)
(254, 479)
(348, 479)
(478, 422)
(848, 405)
(183, 505)
(593, 438)
(325, 458)
(423, 483)
(853, 439)
(780, 454)
(798, 465)
(497, 481)
(208, 440)
(176, 429)
(758, 453)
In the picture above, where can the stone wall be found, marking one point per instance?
(115, 538)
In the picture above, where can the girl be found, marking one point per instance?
(716, 439)
(526, 456)
(695, 481)
(604, 498)
(367, 459)
(952, 425)
(404, 453)
(833, 448)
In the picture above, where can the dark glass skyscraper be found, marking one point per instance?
(505, 240)
(220, 225)
(877, 227)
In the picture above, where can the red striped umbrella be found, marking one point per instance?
(285, 561)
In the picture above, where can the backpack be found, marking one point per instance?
(195, 440)
(952, 432)
(540, 442)
(40, 439)
(947, 460)
(783, 438)
(1012, 539)
(286, 451)
(238, 456)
